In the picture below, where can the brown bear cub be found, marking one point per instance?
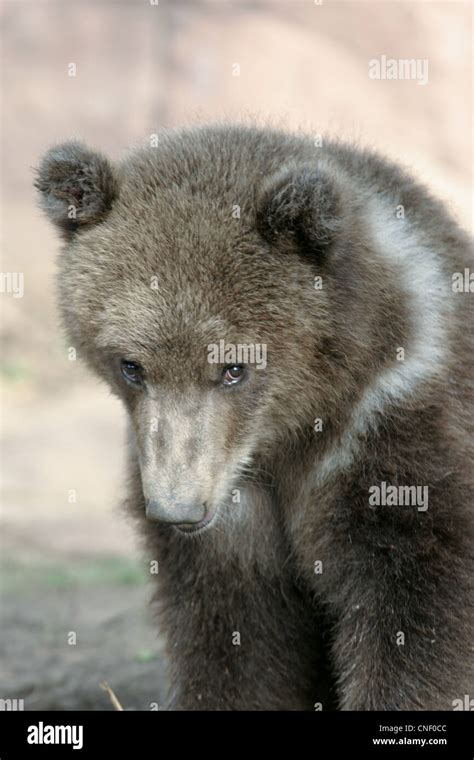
(288, 327)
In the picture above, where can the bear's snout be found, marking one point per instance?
(176, 512)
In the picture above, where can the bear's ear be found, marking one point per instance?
(77, 186)
(300, 204)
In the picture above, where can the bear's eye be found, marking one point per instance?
(232, 374)
(132, 372)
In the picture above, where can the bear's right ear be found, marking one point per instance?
(303, 205)
(77, 186)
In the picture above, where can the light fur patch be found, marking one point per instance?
(430, 299)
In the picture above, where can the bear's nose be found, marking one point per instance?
(175, 513)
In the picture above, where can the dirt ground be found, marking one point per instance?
(115, 644)
(70, 562)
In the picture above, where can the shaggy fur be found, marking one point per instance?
(219, 234)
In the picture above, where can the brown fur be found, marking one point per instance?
(305, 638)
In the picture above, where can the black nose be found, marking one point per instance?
(175, 513)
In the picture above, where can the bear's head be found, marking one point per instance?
(195, 279)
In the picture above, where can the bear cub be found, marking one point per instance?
(281, 324)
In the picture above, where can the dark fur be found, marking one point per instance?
(305, 638)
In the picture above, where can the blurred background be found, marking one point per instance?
(70, 563)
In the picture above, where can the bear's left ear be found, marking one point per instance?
(300, 204)
(77, 186)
